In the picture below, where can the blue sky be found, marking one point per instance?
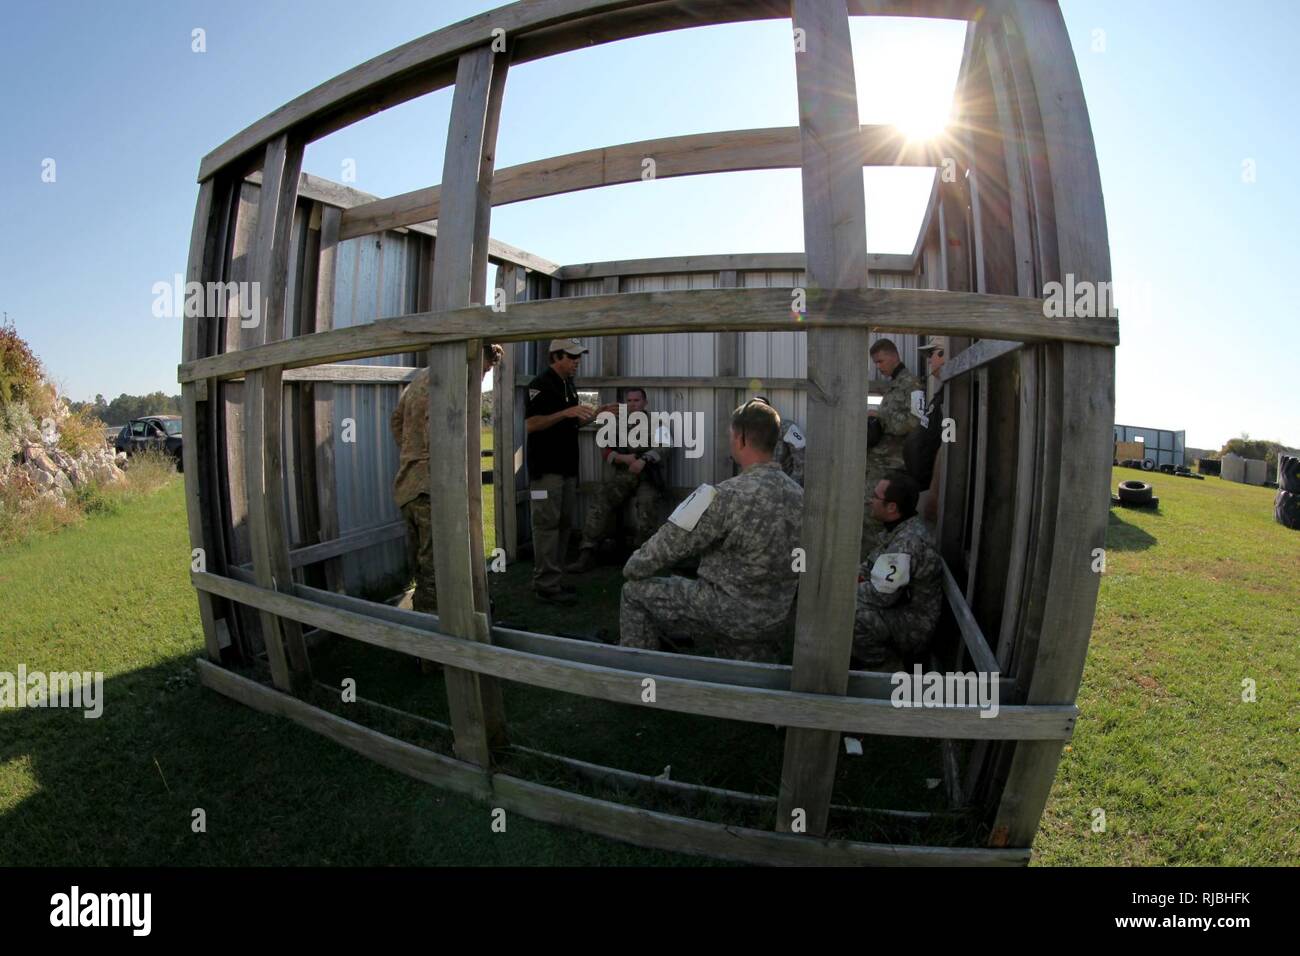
(1180, 97)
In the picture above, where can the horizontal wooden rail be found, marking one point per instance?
(696, 154)
(977, 356)
(695, 310)
(353, 541)
(617, 821)
(352, 374)
(971, 634)
(753, 704)
(745, 383)
(536, 29)
(717, 670)
(725, 262)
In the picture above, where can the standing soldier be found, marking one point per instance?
(634, 477)
(789, 451)
(743, 531)
(921, 446)
(410, 426)
(552, 418)
(887, 426)
(900, 589)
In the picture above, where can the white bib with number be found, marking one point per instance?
(891, 572)
(688, 513)
(918, 407)
(794, 438)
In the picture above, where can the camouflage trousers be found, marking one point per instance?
(668, 607)
(876, 645)
(607, 502)
(419, 553)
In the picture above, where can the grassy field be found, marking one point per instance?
(1197, 597)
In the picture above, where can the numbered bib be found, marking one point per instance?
(687, 514)
(891, 572)
(794, 438)
(918, 407)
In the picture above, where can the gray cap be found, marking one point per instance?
(569, 346)
(935, 343)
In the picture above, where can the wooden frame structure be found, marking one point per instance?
(1024, 493)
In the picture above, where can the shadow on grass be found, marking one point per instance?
(1122, 536)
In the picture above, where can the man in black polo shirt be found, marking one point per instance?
(552, 417)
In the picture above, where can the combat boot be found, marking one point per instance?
(586, 561)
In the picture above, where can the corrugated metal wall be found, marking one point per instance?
(375, 277)
(1164, 447)
(762, 355)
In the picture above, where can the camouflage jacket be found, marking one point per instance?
(410, 425)
(896, 419)
(743, 537)
(789, 451)
(908, 593)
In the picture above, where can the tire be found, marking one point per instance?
(1286, 509)
(1148, 464)
(1134, 492)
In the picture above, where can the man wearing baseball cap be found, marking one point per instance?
(552, 417)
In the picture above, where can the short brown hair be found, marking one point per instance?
(758, 423)
(883, 345)
(903, 491)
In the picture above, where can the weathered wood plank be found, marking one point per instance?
(827, 712)
(613, 820)
(263, 399)
(696, 154)
(348, 543)
(971, 634)
(539, 28)
(980, 354)
(835, 237)
(477, 718)
(735, 262)
(693, 310)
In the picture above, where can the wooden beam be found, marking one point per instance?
(980, 354)
(454, 398)
(203, 259)
(1078, 509)
(971, 634)
(536, 29)
(736, 262)
(694, 310)
(348, 543)
(792, 708)
(263, 400)
(616, 821)
(696, 154)
(835, 237)
(353, 374)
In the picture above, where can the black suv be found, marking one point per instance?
(156, 432)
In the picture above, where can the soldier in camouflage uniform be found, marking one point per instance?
(410, 427)
(900, 589)
(630, 479)
(743, 531)
(789, 451)
(888, 426)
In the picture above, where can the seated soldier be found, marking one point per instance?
(789, 451)
(900, 590)
(637, 475)
(743, 532)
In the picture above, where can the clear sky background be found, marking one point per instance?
(1181, 94)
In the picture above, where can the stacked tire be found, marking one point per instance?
(1286, 506)
(1136, 494)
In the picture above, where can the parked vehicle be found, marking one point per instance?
(152, 433)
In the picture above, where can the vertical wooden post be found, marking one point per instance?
(727, 351)
(204, 253)
(323, 419)
(505, 462)
(835, 238)
(1084, 386)
(477, 716)
(263, 399)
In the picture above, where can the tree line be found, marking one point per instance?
(126, 407)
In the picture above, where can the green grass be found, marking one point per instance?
(1197, 596)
